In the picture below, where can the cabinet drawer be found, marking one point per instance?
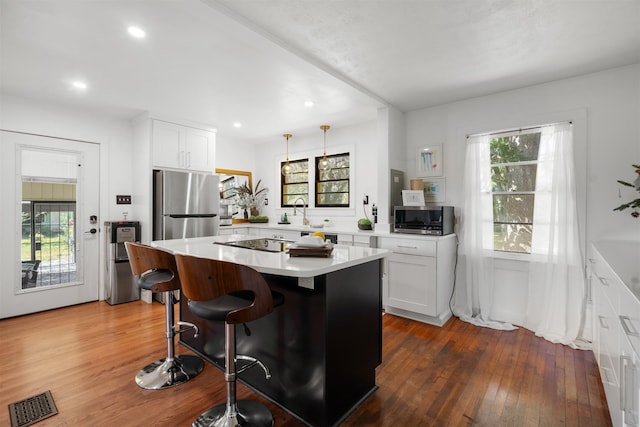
(606, 281)
(629, 318)
(409, 246)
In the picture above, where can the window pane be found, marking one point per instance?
(332, 174)
(516, 148)
(333, 199)
(514, 178)
(333, 187)
(296, 177)
(295, 184)
(290, 200)
(512, 237)
(517, 208)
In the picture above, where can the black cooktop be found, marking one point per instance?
(264, 244)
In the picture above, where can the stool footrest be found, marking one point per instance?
(252, 362)
(187, 327)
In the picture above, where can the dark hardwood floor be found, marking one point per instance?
(458, 375)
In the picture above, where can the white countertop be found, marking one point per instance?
(335, 229)
(624, 258)
(278, 263)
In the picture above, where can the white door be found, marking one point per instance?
(49, 211)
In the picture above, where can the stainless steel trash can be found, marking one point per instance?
(121, 284)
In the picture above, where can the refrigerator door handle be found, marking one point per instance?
(180, 216)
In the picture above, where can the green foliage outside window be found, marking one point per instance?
(513, 181)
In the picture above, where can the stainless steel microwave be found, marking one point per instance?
(430, 220)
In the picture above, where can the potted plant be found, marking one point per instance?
(253, 200)
(633, 204)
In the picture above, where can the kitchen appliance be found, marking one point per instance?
(429, 220)
(121, 284)
(186, 204)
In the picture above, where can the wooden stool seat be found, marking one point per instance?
(230, 293)
(157, 273)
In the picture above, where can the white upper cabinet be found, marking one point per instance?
(182, 147)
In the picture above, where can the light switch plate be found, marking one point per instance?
(123, 199)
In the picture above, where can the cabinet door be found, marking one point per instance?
(182, 147)
(166, 145)
(279, 234)
(199, 147)
(411, 283)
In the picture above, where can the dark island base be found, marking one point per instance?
(322, 345)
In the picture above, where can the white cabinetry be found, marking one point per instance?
(616, 340)
(418, 277)
(182, 147)
(237, 230)
(279, 234)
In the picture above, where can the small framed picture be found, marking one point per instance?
(434, 190)
(429, 162)
(412, 198)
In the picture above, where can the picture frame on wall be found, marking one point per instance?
(430, 161)
(434, 190)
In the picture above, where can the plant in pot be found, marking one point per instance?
(633, 204)
(253, 200)
(365, 224)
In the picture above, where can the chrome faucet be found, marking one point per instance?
(305, 220)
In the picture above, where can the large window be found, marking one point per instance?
(332, 185)
(514, 166)
(296, 184)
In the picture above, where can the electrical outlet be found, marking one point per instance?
(365, 200)
(123, 200)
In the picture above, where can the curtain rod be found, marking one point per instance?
(517, 130)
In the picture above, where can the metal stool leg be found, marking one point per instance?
(235, 413)
(172, 370)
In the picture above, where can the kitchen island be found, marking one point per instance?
(322, 345)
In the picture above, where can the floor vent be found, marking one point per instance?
(31, 410)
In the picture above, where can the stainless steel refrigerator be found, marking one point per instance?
(185, 204)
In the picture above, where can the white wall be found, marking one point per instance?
(231, 154)
(113, 135)
(605, 110)
(610, 102)
(361, 138)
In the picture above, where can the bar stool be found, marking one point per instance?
(231, 293)
(158, 273)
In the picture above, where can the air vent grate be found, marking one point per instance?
(31, 410)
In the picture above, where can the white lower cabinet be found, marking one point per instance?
(418, 277)
(616, 338)
(279, 234)
(235, 230)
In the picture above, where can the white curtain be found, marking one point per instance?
(474, 301)
(556, 285)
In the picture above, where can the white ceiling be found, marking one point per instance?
(256, 62)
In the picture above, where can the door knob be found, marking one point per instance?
(92, 231)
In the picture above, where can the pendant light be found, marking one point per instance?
(323, 164)
(287, 169)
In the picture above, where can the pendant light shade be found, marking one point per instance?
(323, 164)
(287, 169)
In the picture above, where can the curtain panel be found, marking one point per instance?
(556, 284)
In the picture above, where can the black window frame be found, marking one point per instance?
(305, 196)
(319, 181)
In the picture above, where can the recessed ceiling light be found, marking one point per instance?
(79, 85)
(136, 32)
(237, 125)
(308, 103)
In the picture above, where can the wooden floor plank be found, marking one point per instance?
(457, 375)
